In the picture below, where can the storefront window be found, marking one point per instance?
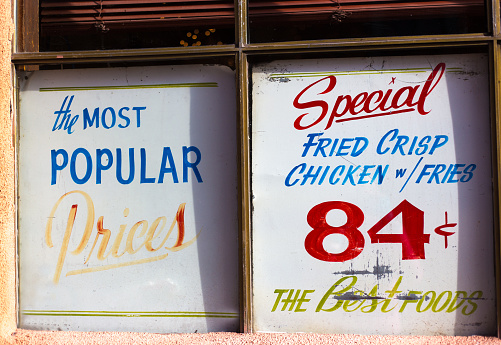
(325, 19)
(284, 166)
(112, 24)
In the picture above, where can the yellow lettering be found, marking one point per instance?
(104, 235)
(130, 237)
(151, 233)
(69, 229)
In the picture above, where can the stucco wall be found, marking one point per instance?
(8, 332)
(7, 182)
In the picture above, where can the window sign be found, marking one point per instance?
(127, 209)
(372, 196)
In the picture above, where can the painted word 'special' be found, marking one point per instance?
(365, 104)
(81, 160)
(349, 299)
(147, 238)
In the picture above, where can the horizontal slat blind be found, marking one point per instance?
(384, 8)
(83, 14)
(132, 13)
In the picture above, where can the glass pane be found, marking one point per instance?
(128, 200)
(372, 196)
(120, 24)
(292, 20)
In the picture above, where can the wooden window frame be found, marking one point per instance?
(26, 56)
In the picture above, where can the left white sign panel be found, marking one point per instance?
(127, 200)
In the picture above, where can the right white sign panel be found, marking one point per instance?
(372, 196)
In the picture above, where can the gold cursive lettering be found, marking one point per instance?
(104, 235)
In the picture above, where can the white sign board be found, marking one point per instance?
(372, 196)
(127, 208)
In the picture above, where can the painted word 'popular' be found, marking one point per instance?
(135, 242)
(365, 104)
(81, 160)
(349, 299)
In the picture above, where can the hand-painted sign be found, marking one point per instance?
(127, 209)
(372, 196)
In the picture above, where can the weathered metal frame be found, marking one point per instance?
(27, 54)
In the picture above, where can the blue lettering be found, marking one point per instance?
(55, 166)
(167, 155)
(326, 170)
(364, 174)
(423, 145)
(322, 144)
(87, 121)
(187, 164)
(138, 114)
(440, 140)
(380, 174)
(302, 166)
(349, 174)
(379, 149)
(468, 171)
(73, 163)
(333, 174)
(122, 116)
(434, 175)
(144, 179)
(311, 175)
(310, 142)
(342, 147)
(131, 166)
(424, 172)
(455, 172)
(113, 118)
(99, 162)
(66, 120)
(399, 145)
(358, 140)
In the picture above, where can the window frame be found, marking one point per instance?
(27, 57)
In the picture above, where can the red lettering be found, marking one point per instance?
(428, 88)
(358, 100)
(367, 103)
(412, 237)
(335, 113)
(316, 219)
(387, 102)
(317, 103)
(384, 100)
(411, 91)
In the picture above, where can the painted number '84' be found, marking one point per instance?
(412, 237)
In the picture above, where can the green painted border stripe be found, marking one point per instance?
(324, 74)
(129, 314)
(127, 87)
(109, 311)
(136, 315)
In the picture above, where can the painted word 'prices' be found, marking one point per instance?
(141, 237)
(412, 238)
